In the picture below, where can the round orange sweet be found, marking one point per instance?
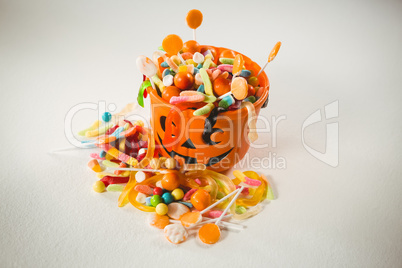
(191, 46)
(194, 18)
(172, 44)
(221, 86)
(170, 181)
(201, 199)
(183, 80)
(209, 233)
(170, 92)
(227, 53)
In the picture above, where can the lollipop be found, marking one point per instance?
(147, 67)
(237, 65)
(172, 44)
(271, 56)
(194, 20)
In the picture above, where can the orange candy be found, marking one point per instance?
(274, 51)
(209, 233)
(239, 88)
(184, 80)
(194, 18)
(170, 92)
(238, 64)
(191, 46)
(229, 54)
(201, 199)
(190, 218)
(172, 44)
(159, 221)
(170, 181)
(94, 165)
(221, 86)
(251, 91)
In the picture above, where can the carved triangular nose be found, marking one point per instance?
(188, 144)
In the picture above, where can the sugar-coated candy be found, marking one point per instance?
(204, 110)
(190, 68)
(157, 191)
(108, 163)
(99, 131)
(239, 88)
(201, 89)
(175, 210)
(198, 58)
(176, 59)
(207, 64)
(99, 187)
(141, 198)
(201, 199)
(168, 80)
(245, 73)
(160, 208)
(170, 181)
(199, 66)
(145, 189)
(106, 116)
(94, 165)
(114, 180)
(225, 68)
(196, 71)
(164, 64)
(226, 101)
(198, 79)
(177, 194)
(148, 201)
(140, 176)
(167, 198)
(206, 81)
(209, 233)
(226, 61)
(181, 99)
(158, 221)
(175, 233)
(172, 65)
(115, 188)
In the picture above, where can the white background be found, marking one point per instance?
(56, 54)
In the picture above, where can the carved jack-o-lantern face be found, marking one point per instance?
(218, 139)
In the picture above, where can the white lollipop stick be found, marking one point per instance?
(194, 36)
(181, 58)
(262, 69)
(271, 56)
(230, 204)
(217, 202)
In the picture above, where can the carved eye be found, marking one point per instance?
(162, 121)
(210, 121)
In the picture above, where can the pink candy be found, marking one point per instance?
(252, 182)
(96, 156)
(194, 98)
(226, 67)
(198, 181)
(213, 214)
(188, 195)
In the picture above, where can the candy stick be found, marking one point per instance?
(147, 67)
(194, 20)
(230, 204)
(271, 56)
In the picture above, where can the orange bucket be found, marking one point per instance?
(182, 135)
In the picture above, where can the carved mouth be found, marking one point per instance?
(191, 160)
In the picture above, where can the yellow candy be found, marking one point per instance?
(190, 61)
(99, 187)
(177, 194)
(122, 145)
(207, 82)
(139, 123)
(158, 82)
(161, 209)
(175, 59)
(182, 68)
(207, 63)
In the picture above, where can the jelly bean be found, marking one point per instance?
(207, 64)
(99, 131)
(239, 88)
(225, 68)
(235, 105)
(176, 59)
(148, 201)
(188, 195)
(157, 191)
(145, 189)
(172, 44)
(166, 72)
(184, 80)
(111, 164)
(160, 209)
(94, 165)
(158, 221)
(209, 233)
(226, 102)
(172, 65)
(199, 66)
(170, 181)
(176, 210)
(177, 194)
(253, 81)
(106, 117)
(140, 198)
(175, 233)
(201, 89)
(164, 64)
(195, 98)
(204, 110)
(224, 75)
(188, 204)
(186, 55)
(221, 86)
(99, 187)
(198, 181)
(206, 81)
(198, 58)
(201, 199)
(194, 18)
(170, 92)
(155, 200)
(191, 47)
(250, 99)
(94, 126)
(226, 61)
(167, 198)
(115, 188)
(250, 91)
(238, 64)
(245, 73)
(168, 80)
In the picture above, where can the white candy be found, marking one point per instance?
(146, 66)
(141, 198)
(198, 57)
(142, 151)
(175, 210)
(168, 80)
(190, 68)
(175, 233)
(159, 184)
(140, 176)
(198, 79)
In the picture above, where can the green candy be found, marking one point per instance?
(115, 188)
(226, 61)
(140, 98)
(250, 99)
(240, 210)
(220, 195)
(155, 200)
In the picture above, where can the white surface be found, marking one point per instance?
(56, 54)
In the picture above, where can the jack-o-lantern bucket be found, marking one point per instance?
(218, 140)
